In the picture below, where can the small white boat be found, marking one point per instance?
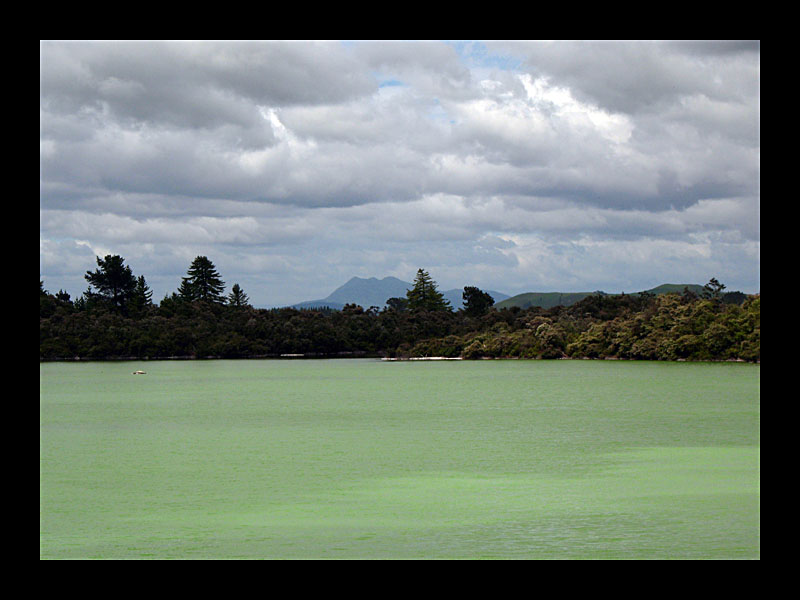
(139, 373)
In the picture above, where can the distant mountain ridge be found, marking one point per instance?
(375, 292)
(372, 291)
(551, 299)
(364, 292)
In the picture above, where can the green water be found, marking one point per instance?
(342, 459)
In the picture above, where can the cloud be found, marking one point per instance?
(197, 85)
(638, 77)
(502, 164)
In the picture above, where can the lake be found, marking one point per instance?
(365, 459)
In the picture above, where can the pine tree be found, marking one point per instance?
(713, 289)
(186, 291)
(142, 296)
(237, 297)
(113, 280)
(203, 282)
(425, 296)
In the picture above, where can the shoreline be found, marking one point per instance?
(346, 355)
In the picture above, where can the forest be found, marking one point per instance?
(116, 318)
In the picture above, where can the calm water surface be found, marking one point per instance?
(339, 459)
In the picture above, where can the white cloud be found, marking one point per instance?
(510, 165)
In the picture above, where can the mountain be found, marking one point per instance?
(364, 292)
(369, 292)
(542, 299)
(375, 292)
(551, 299)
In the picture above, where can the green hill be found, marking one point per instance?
(551, 299)
(543, 299)
(676, 288)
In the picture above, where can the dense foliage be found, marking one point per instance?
(685, 326)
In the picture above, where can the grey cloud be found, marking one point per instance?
(431, 68)
(109, 229)
(718, 47)
(356, 149)
(288, 162)
(197, 84)
(634, 77)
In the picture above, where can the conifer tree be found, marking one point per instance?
(237, 297)
(425, 296)
(113, 280)
(142, 297)
(713, 289)
(186, 291)
(203, 282)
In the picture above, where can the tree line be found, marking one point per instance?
(117, 318)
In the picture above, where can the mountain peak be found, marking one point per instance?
(372, 291)
(368, 292)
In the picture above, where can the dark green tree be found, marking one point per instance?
(713, 289)
(80, 303)
(425, 296)
(397, 304)
(203, 282)
(352, 309)
(476, 302)
(688, 294)
(142, 298)
(87, 300)
(734, 298)
(646, 297)
(185, 291)
(63, 296)
(113, 280)
(237, 297)
(47, 305)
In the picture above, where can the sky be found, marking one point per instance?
(515, 166)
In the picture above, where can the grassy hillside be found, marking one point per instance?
(676, 288)
(542, 299)
(551, 299)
